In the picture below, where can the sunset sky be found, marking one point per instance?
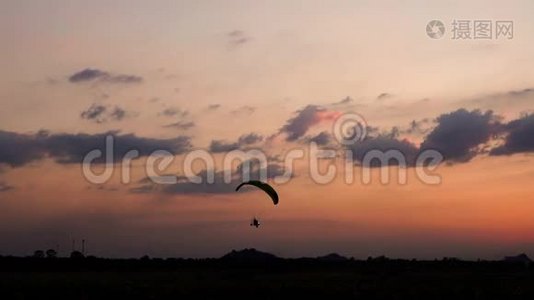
(273, 76)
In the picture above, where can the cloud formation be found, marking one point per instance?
(237, 38)
(458, 134)
(305, 118)
(383, 96)
(96, 75)
(101, 113)
(87, 75)
(322, 139)
(219, 146)
(249, 139)
(519, 137)
(384, 144)
(19, 149)
(181, 125)
(173, 112)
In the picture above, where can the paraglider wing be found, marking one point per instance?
(264, 187)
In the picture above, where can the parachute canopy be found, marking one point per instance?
(264, 187)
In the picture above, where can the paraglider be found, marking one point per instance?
(269, 190)
(255, 223)
(264, 187)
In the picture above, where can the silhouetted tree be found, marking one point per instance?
(51, 253)
(38, 254)
(76, 255)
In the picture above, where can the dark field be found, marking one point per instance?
(263, 278)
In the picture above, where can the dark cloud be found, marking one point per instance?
(19, 149)
(96, 75)
(100, 113)
(383, 96)
(248, 139)
(180, 113)
(218, 146)
(69, 148)
(4, 187)
(94, 112)
(173, 112)
(458, 134)
(181, 125)
(117, 113)
(519, 137)
(321, 139)
(297, 126)
(237, 38)
(87, 75)
(384, 143)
